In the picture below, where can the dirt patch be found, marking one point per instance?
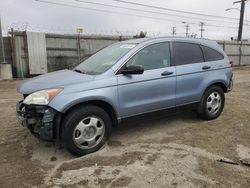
(152, 158)
(16, 146)
(53, 158)
(224, 174)
(98, 171)
(126, 159)
(115, 143)
(116, 172)
(104, 182)
(122, 182)
(83, 183)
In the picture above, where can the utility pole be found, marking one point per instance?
(187, 29)
(242, 11)
(173, 31)
(202, 29)
(1, 40)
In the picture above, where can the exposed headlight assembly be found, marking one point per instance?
(42, 97)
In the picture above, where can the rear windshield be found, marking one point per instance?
(104, 59)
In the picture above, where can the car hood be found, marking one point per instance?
(53, 80)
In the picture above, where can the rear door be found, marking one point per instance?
(190, 70)
(152, 90)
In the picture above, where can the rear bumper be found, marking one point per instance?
(42, 121)
(230, 86)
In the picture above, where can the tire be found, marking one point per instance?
(85, 130)
(212, 103)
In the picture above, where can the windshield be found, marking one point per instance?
(104, 59)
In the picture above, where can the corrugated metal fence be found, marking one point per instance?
(7, 50)
(66, 51)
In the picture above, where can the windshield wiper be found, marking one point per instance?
(79, 71)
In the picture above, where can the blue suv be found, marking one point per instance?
(79, 107)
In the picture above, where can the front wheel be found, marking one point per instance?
(85, 130)
(212, 103)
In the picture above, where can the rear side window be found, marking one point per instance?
(211, 54)
(186, 53)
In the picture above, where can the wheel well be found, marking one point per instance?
(221, 85)
(102, 104)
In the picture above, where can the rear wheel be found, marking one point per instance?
(86, 130)
(212, 103)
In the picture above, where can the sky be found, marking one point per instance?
(44, 17)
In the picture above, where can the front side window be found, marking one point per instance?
(104, 59)
(186, 53)
(151, 57)
(211, 54)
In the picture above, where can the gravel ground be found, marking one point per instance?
(176, 151)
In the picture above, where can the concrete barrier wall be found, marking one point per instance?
(5, 71)
(63, 51)
(67, 51)
(238, 52)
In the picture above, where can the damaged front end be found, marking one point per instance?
(42, 121)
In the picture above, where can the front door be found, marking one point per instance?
(155, 88)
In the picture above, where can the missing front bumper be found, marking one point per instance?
(42, 121)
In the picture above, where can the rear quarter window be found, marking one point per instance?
(186, 53)
(211, 54)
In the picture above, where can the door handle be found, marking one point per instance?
(206, 67)
(167, 73)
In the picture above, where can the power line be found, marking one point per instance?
(154, 12)
(107, 11)
(174, 10)
(221, 26)
(128, 14)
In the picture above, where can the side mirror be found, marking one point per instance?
(133, 69)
